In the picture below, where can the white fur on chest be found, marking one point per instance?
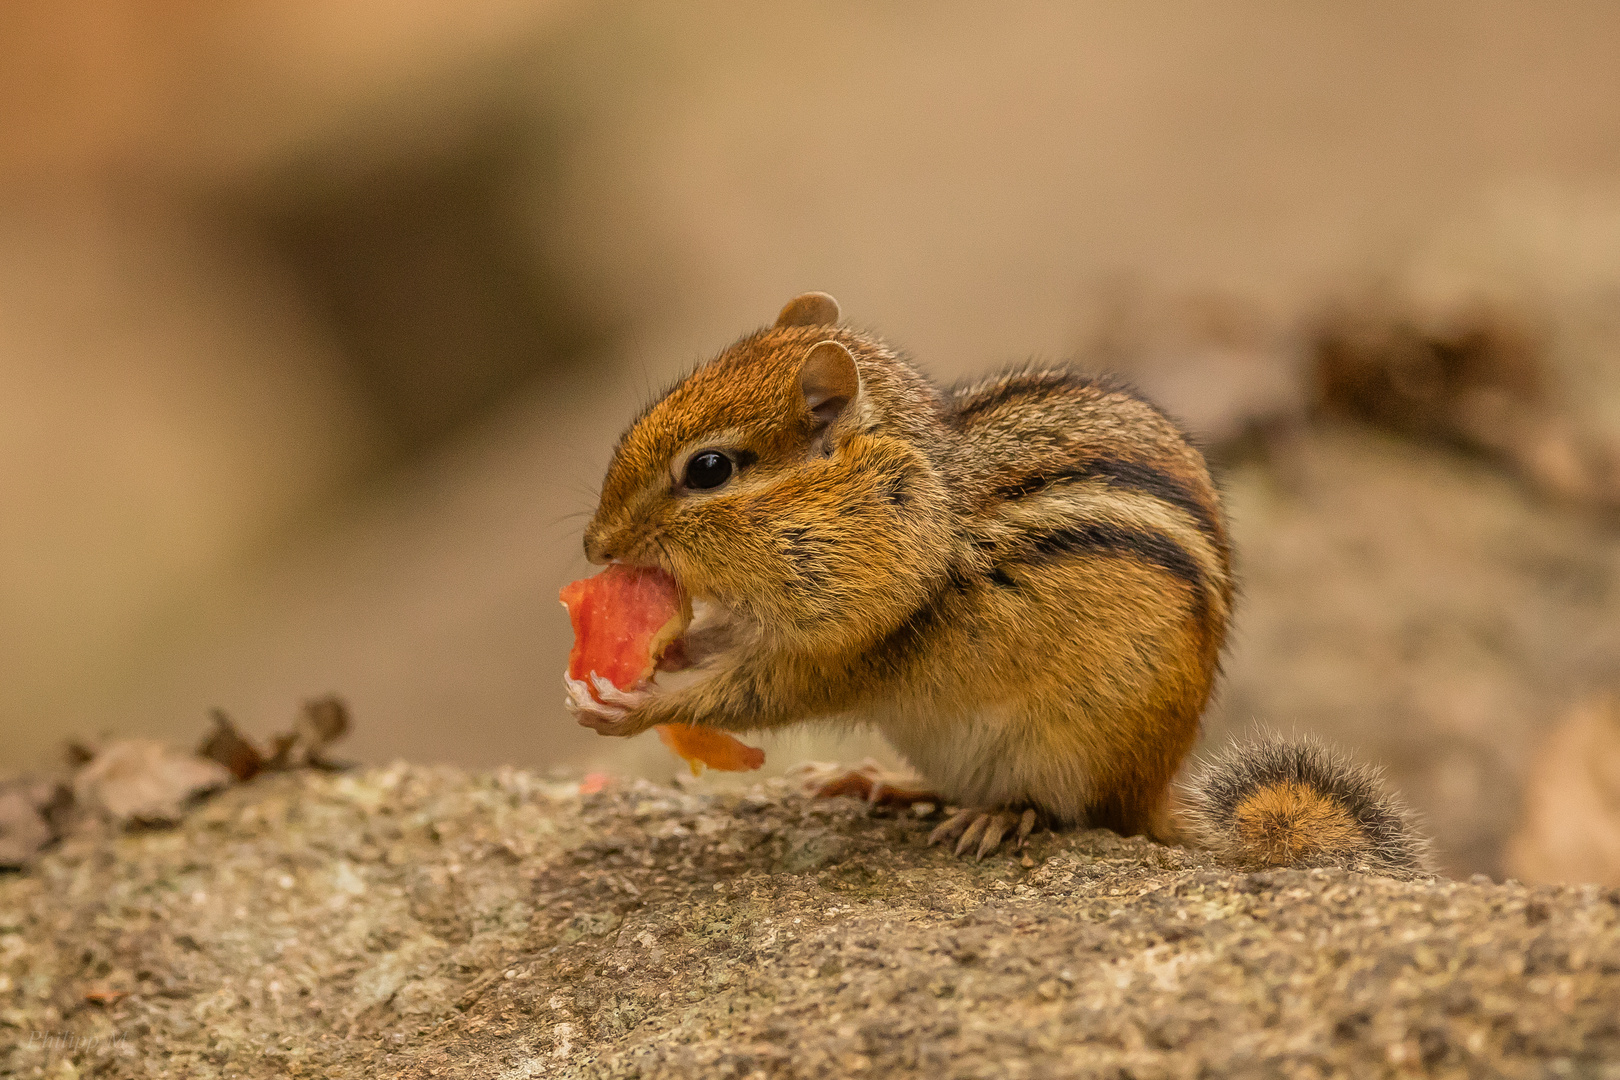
(989, 758)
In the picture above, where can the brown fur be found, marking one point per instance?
(1023, 582)
(1290, 823)
(1297, 803)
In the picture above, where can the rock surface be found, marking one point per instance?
(423, 922)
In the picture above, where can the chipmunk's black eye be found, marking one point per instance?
(707, 469)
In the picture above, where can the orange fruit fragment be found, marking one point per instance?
(710, 747)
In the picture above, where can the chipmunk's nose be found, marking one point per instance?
(596, 550)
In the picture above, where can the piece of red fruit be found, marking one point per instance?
(626, 620)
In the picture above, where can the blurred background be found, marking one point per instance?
(318, 322)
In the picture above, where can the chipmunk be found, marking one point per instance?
(1023, 582)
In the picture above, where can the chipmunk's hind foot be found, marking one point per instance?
(984, 830)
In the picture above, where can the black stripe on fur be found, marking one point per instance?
(1128, 476)
(1022, 385)
(1100, 538)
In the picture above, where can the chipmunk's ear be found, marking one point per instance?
(829, 380)
(811, 309)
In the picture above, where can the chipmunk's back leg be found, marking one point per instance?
(1138, 796)
(976, 831)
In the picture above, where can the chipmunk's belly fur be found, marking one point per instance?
(991, 757)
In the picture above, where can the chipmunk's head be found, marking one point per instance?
(764, 479)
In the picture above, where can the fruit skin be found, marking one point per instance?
(627, 623)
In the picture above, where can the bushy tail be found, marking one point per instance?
(1297, 803)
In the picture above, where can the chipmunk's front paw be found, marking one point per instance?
(608, 709)
(983, 829)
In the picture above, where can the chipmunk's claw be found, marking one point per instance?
(1026, 825)
(981, 831)
(607, 708)
(952, 827)
(993, 832)
(612, 695)
(971, 835)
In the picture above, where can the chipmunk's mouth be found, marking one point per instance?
(713, 627)
(710, 632)
(675, 657)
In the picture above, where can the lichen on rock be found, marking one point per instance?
(416, 921)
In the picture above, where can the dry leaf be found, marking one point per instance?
(321, 722)
(23, 827)
(1475, 375)
(103, 993)
(231, 749)
(144, 781)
